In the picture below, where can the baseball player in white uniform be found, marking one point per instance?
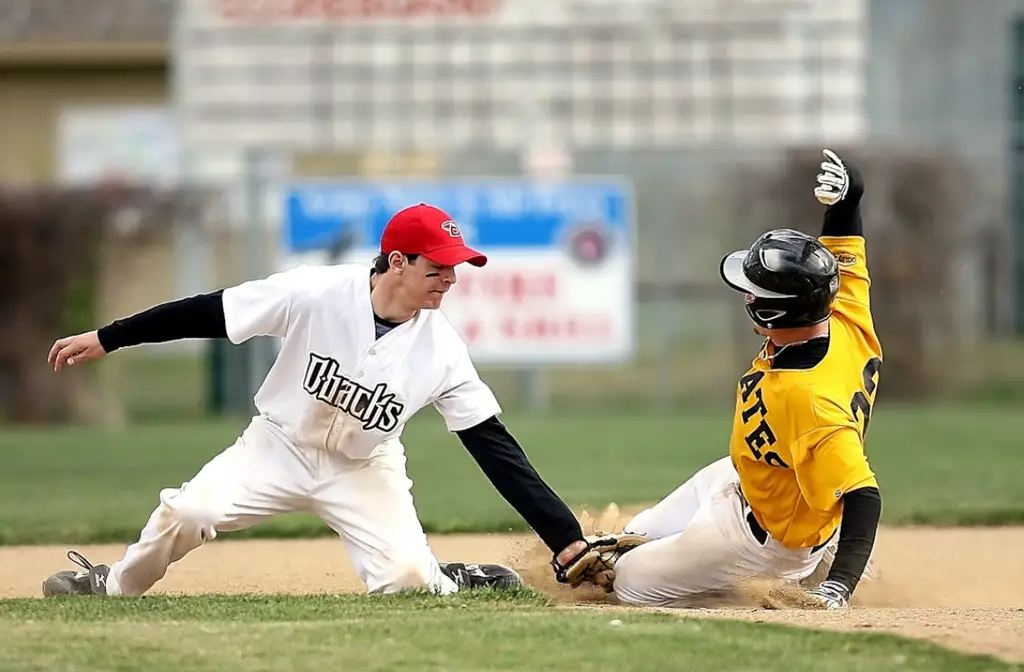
(363, 349)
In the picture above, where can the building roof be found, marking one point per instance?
(36, 22)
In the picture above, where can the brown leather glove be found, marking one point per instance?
(596, 563)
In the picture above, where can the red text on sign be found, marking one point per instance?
(549, 329)
(245, 11)
(514, 287)
(471, 332)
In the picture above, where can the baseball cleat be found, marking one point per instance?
(481, 576)
(90, 580)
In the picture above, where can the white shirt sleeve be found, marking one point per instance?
(264, 307)
(467, 401)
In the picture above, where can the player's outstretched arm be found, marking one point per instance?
(507, 467)
(575, 559)
(471, 412)
(261, 307)
(200, 316)
(862, 510)
(840, 187)
(833, 471)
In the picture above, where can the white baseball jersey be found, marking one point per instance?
(334, 384)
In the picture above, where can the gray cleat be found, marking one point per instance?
(481, 576)
(90, 580)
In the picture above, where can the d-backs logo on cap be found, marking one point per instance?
(452, 228)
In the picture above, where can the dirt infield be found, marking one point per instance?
(962, 588)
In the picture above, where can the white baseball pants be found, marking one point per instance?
(367, 502)
(701, 544)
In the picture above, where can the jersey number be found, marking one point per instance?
(860, 403)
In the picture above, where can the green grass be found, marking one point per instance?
(936, 465)
(469, 631)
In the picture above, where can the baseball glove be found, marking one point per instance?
(596, 563)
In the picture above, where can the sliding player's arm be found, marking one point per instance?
(840, 188)
(832, 471)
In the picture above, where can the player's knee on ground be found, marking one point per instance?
(632, 586)
(641, 580)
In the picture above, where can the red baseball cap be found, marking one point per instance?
(428, 231)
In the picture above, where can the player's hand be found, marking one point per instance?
(595, 561)
(571, 551)
(833, 180)
(839, 180)
(72, 350)
(831, 595)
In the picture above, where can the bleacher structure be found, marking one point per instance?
(583, 73)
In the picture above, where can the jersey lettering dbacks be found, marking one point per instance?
(335, 384)
(798, 435)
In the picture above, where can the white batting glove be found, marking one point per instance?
(831, 594)
(833, 180)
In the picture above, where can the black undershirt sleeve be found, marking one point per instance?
(508, 468)
(862, 510)
(200, 316)
(843, 219)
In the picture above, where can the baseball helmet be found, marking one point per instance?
(789, 278)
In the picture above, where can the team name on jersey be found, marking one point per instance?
(376, 407)
(761, 437)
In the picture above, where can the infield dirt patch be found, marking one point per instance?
(962, 588)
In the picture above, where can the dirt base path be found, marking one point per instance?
(961, 588)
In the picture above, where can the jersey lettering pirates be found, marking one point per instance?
(798, 435)
(340, 382)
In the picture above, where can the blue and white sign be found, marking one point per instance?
(559, 283)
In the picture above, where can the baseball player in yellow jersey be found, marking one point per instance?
(796, 475)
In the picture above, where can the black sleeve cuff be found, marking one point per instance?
(200, 316)
(862, 510)
(843, 219)
(505, 464)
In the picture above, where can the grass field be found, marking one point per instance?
(947, 466)
(518, 631)
(935, 465)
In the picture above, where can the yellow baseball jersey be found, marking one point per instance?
(798, 435)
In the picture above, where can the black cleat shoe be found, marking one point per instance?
(481, 576)
(90, 580)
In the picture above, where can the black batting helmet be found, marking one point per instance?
(789, 277)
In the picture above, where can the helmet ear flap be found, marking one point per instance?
(766, 313)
